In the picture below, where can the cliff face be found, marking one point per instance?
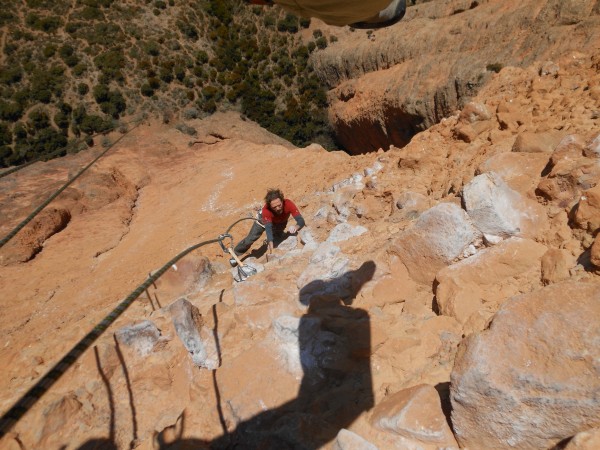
(443, 295)
(387, 85)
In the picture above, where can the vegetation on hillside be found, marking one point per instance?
(69, 69)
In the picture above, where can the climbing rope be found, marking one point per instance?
(26, 402)
(31, 397)
(29, 218)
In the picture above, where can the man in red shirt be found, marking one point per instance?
(273, 219)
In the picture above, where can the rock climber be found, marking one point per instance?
(355, 13)
(272, 219)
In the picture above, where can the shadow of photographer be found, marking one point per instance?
(334, 341)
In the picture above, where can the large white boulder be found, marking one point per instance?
(533, 378)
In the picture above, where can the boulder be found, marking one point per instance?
(345, 231)
(141, 336)
(484, 281)
(439, 236)
(188, 325)
(498, 210)
(415, 413)
(556, 265)
(587, 214)
(586, 440)
(595, 253)
(327, 263)
(531, 142)
(532, 379)
(412, 202)
(592, 149)
(187, 276)
(521, 171)
(347, 440)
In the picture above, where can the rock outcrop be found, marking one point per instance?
(388, 85)
(532, 378)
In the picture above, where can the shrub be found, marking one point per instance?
(79, 69)
(10, 111)
(495, 67)
(188, 30)
(146, 90)
(289, 24)
(61, 120)
(321, 42)
(83, 89)
(10, 75)
(91, 13)
(91, 124)
(5, 135)
(38, 119)
(49, 51)
(111, 63)
(47, 24)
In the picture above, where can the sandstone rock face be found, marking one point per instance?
(352, 311)
(587, 215)
(188, 325)
(528, 142)
(556, 265)
(440, 235)
(586, 440)
(30, 242)
(347, 440)
(476, 287)
(520, 171)
(415, 413)
(385, 90)
(499, 211)
(528, 368)
(141, 336)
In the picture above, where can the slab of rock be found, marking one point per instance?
(345, 231)
(556, 265)
(188, 324)
(586, 440)
(307, 238)
(188, 275)
(415, 413)
(530, 142)
(326, 263)
(532, 379)
(439, 236)
(141, 336)
(347, 440)
(587, 215)
(30, 241)
(497, 210)
(592, 149)
(595, 253)
(521, 171)
(482, 282)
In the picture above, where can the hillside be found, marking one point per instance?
(73, 69)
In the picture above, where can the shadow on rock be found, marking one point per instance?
(336, 387)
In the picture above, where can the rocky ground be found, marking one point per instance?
(443, 295)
